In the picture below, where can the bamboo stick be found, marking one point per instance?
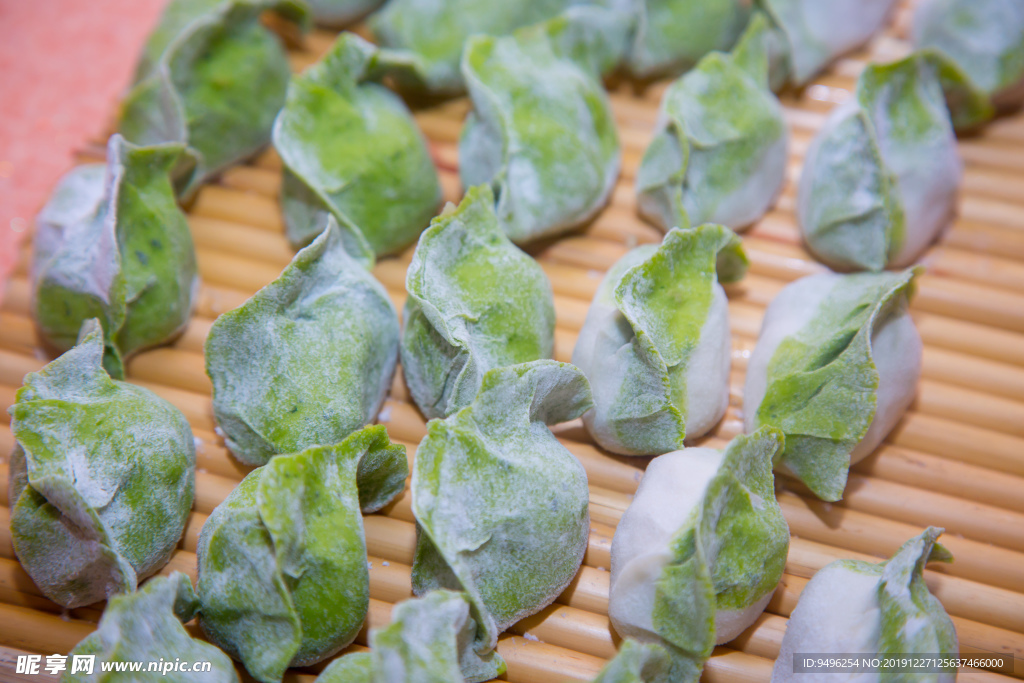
(859, 531)
(890, 500)
(942, 475)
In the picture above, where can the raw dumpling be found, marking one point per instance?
(341, 12)
(101, 478)
(308, 359)
(111, 243)
(835, 368)
(881, 610)
(429, 640)
(670, 36)
(283, 576)
(700, 550)
(984, 42)
(146, 626)
(435, 32)
(812, 33)
(476, 302)
(879, 182)
(720, 150)
(541, 131)
(213, 78)
(350, 147)
(501, 505)
(656, 345)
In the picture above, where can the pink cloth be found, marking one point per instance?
(63, 66)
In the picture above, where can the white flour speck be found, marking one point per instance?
(384, 415)
(386, 563)
(529, 636)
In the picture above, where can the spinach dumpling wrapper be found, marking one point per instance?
(502, 506)
(656, 345)
(983, 41)
(351, 148)
(213, 78)
(436, 32)
(541, 131)
(429, 640)
(879, 182)
(476, 302)
(810, 34)
(283, 577)
(111, 243)
(880, 610)
(146, 626)
(101, 478)
(670, 36)
(720, 151)
(700, 550)
(308, 359)
(835, 367)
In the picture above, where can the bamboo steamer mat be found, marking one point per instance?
(956, 460)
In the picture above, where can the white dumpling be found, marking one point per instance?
(817, 32)
(814, 317)
(692, 499)
(656, 345)
(855, 607)
(879, 182)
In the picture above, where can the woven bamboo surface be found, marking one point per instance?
(956, 460)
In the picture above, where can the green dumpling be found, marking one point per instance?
(308, 359)
(670, 36)
(720, 151)
(541, 132)
(211, 77)
(350, 147)
(435, 32)
(283, 577)
(101, 478)
(983, 44)
(808, 35)
(476, 302)
(429, 640)
(111, 243)
(879, 181)
(656, 344)
(146, 626)
(501, 505)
